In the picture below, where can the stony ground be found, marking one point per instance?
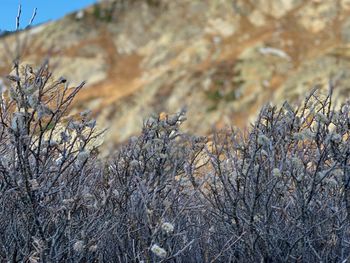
(221, 59)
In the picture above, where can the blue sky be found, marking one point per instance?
(47, 10)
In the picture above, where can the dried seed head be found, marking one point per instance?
(34, 185)
(321, 118)
(52, 143)
(308, 134)
(276, 172)
(68, 201)
(18, 121)
(160, 252)
(33, 101)
(31, 89)
(91, 124)
(337, 138)
(297, 163)
(43, 111)
(83, 156)
(64, 137)
(93, 248)
(13, 94)
(263, 140)
(168, 227)
(134, 164)
(85, 113)
(78, 246)
(74, 125)
(298, 136)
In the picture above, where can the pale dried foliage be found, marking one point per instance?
(279, 192)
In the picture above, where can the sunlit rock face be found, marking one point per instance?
(276, 8)
(222, 59)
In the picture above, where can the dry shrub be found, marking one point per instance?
(279, 192)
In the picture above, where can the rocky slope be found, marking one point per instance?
(221, 59)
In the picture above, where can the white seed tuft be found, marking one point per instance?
(276, 172)
(160, 252)
(168, 227)
(78, 246)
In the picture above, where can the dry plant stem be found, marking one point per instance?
(276, 193)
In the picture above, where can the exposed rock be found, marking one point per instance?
(221, 59)
(91, 70)
(345, 4)
(315, 16)
(345, 31)
(276, 8)
(317, 73)
(275, 52)
(64, 34)
(257, 18)
(220, 26)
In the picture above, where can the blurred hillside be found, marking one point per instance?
(222, 59)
